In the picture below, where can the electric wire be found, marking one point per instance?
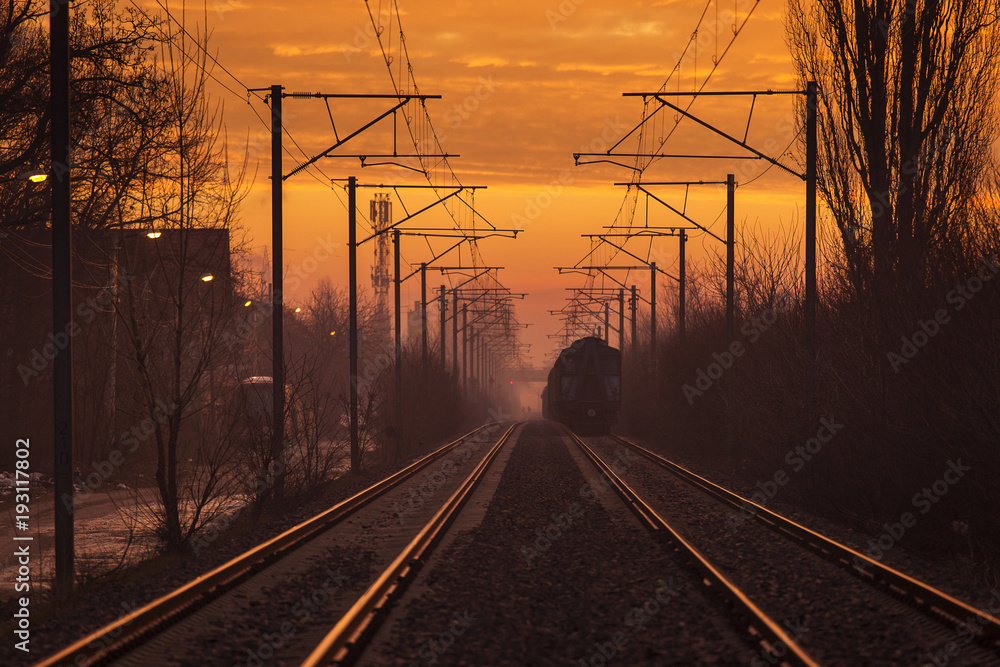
(438, 172)
(626, 213)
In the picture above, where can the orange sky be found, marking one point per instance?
(524, 85)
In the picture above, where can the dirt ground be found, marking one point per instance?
(101, 535)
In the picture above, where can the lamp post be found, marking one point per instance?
(62, 313)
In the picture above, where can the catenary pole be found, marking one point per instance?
(352, 261)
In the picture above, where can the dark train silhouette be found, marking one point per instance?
(584, 387)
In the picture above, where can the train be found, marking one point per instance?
(584, 387)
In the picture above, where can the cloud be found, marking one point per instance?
(292, 51)
(482, 61)
(227, 6)
(638, 29)
(644, 69)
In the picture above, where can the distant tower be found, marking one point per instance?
(381, 218)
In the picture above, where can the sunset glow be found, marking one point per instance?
(522, 90)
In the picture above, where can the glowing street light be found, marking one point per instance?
(248, 304)
(154, 234)
(207, 278)
(35, 176)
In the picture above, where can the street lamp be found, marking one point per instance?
(35, 176)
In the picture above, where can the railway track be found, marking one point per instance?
(583, 586)
(117, 639)
(344, 643)
(769, 635)
(597, 589)
(960, 619)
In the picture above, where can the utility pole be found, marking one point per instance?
(444, 316)
(465, 350)
(62, 295)
(681, 314)
(652, 310)
(477, 363)
(454, 334)
(352, 261)
(730, 257)
(423, 313)
(633, 303)
(607, 317)
(730, 302)
(398, 326)
(812, 99)
(277, 298)
(472, 360)
(621, 319)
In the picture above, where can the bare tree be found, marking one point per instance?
(906, 124)
(179, 305)
(115, 122)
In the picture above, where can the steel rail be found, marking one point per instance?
(116, 637)
(765, 631)
(933, 602)
(341, 644)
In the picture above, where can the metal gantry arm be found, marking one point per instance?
(675, 156)
(484, 270)
(403, 100)
(649, 265)
(423, 266)
(410, 216)
(576, 302)
(495, 301)
(639, 186)
(742, 144)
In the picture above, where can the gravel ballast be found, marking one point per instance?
(838, 618)
(557, 574)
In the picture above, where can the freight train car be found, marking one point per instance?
(584, 387)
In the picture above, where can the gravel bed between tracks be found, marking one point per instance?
(106, 602)
(553, 577)
(957, 577)
(837, 618)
